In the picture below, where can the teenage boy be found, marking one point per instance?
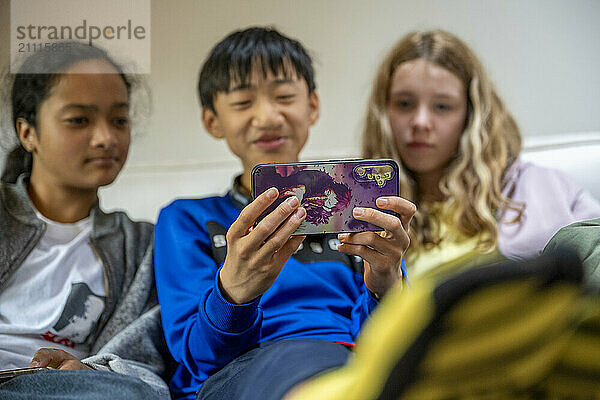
(250, 312)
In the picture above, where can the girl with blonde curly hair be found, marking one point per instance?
(434, 109)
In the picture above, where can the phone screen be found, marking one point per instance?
(329, 190)
(12, 373)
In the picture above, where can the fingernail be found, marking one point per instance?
(382, 201)
(300, 213)
(35, 363)
(292, 201)
(358, 211)
(342, 236)
(272, 193)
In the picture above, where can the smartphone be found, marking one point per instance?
(12, 373)
(329, 190)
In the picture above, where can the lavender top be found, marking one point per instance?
(552, 200)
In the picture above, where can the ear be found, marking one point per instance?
(27, 134)
(315, 107)
(211, 123)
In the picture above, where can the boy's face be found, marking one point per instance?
(265, 120)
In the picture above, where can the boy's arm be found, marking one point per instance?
(256, 254)
(382, 252)
(211, 315)
(202, 330)
(366, 303)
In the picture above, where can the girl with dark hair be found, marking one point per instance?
(71, 276)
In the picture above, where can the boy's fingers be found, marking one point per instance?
(391, 247)
(272, 222)
(403, 207)
(366, 253)
(387, 222)
(289, 248)
(277, 240)
(251, 212)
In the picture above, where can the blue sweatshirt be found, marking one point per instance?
(319, 294)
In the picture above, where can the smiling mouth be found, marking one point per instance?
(270, 143)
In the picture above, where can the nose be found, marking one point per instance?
(422, 118)
(266, 115)
(104, 135)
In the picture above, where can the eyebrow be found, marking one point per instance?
(410, 93)
(445, 96)
(87, 107)
(281, 81)
(243, 86)
(246, 86)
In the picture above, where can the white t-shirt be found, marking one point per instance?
(55, 298)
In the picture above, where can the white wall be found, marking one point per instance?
(544, 56)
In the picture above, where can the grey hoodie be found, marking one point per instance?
(126, 250)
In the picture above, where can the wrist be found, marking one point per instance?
(227, 316)
(228, 291)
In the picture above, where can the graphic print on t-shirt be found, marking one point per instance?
(80, 315)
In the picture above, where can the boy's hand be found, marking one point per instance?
(256, 256)
(382, 252)
(55, 358)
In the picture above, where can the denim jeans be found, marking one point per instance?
(81, 384)
(270, 370)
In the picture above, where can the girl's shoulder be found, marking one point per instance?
(523, 175)
(106, 225)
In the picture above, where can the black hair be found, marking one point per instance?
(233, 58)
(32, 85)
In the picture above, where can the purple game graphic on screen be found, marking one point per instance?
(329, 190)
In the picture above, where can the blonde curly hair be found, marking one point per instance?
(490, 143)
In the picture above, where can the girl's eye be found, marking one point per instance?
(442, 107)
(77, 121)
(402, 104)
(122, 122)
